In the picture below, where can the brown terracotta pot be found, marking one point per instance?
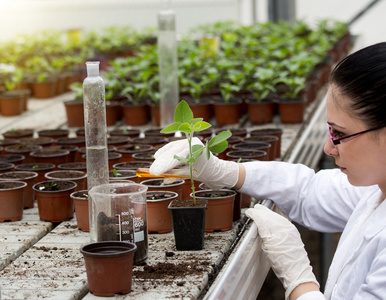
(152, 140)
(11, 200)
(55, 205)
(55, 157)
(135, 115)
(26, 93)
(6, 167)
(74, 113)
(80, 200)
(155, 115)
(23, 149)
(219, 211)
(78, 141)
(79, 177)
(39, 168)
(112, 112)
(132, 165)
(156, 184)
(7, 142)
(60, 85)
(123, 175)
(227, 113)
(18, 133)
(80, 166)
(11, 103)
(117, 141)
(270, 131)
(71, 148)
(271, 139)
(291, 111)
(128, 150)
(256, 146)
(260, 112)
(109, 267)
(27, 177)
(146, 156)
(236, 206)
(131, 133)
(54, 133)
(245, 200)
(16, 159)
(202, 109)
(187, 188)
(159, 218)
(42, 141)
(247, 154)
(45, 89)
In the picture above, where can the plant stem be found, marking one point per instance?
(189, 136)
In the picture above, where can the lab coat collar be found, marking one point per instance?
(377, 221)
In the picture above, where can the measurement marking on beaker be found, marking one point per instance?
(119, 226)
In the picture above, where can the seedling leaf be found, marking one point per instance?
(199, 126)
(183, 113)
(171, 128)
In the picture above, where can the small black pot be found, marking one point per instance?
(188, 226)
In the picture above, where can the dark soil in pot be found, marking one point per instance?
(76, 141)
(54, 186)
(40, 168)
(12, 158)
(42, 141)
(54, 133)
(118, 140)
(46, 155)
(82, 166)
(156, 132)
(18, 133)
(147, 156)
(248, 154)
(132, 165)
(132, 133)
(123, 174)
(72, 148)
(24, 150)
(6, 167)
(154, 141)
(256, 146)
(8, 142)
(128, 150)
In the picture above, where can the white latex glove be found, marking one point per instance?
(214, 172)
(283, 247)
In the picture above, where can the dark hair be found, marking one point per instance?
(361, 77)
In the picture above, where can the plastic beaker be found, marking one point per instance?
(119, 214)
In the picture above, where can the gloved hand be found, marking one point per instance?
(283, 247)
(214, 172)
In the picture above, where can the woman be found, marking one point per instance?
(349, 199)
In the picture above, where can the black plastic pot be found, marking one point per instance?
(188, 225)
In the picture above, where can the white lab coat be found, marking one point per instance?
(327, 202)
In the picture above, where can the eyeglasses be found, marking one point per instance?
(336, 141)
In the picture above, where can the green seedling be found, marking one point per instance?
(185, 122)
(116, 174)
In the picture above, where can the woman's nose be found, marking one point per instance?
(330, 149)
